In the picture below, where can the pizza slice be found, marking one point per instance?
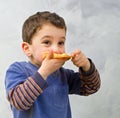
(58, 56)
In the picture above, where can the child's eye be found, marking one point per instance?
(61, 43)
(46, 42)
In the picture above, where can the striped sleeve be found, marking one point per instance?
(23, 95)
(90, 81)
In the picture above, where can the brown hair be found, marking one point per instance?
(37, 20)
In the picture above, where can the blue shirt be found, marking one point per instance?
(53, 102)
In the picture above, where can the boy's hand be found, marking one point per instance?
(80, 60)
(50, 65)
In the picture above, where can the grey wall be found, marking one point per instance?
(93, 26)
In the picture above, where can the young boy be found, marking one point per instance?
(39, 88)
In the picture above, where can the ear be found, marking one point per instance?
(26, 48)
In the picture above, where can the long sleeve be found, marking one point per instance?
(23, 95)
(90, 81)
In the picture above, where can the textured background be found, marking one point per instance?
(93, 26)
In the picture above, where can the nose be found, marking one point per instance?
(56, 49)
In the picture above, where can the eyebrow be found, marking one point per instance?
(48, 36)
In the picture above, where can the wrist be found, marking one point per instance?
(43, 73)
(39, 80)
(87, 67)
(91, 70)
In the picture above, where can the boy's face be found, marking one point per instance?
(46, 39)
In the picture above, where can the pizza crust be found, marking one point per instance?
(57, 56)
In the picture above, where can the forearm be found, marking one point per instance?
(23, 95)
(90, 81)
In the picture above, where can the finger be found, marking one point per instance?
(50, 55)
(75, 53)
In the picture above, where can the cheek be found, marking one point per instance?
(63, 50)
(39, 53)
